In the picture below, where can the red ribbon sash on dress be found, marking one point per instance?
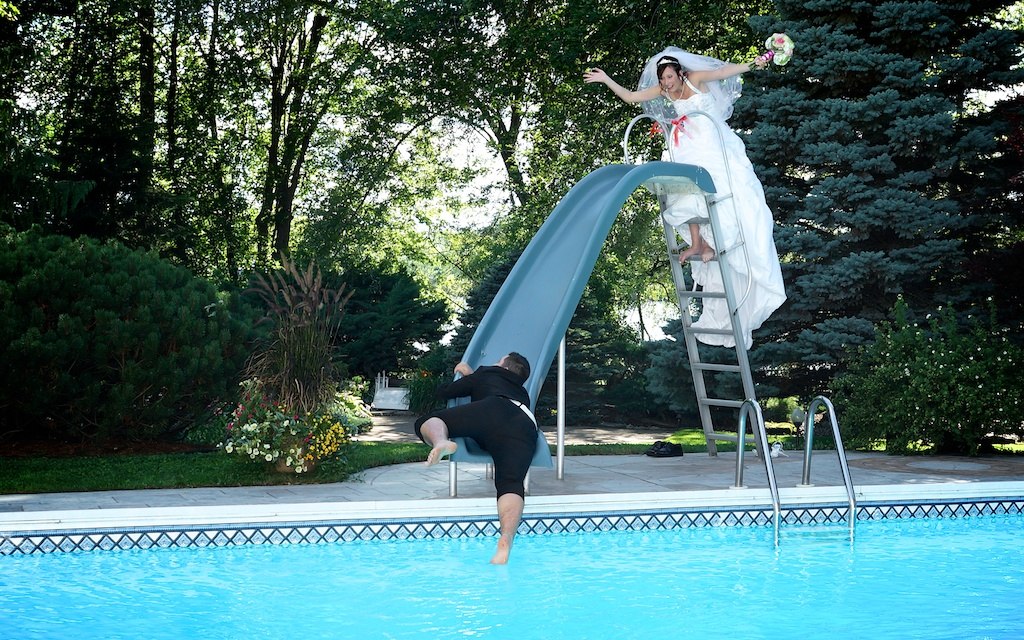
(677, 125)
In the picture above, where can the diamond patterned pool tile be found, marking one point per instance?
(71, 541)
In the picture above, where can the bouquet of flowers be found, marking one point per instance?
(780, 49)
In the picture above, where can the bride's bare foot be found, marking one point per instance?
(689, 253)
(707, 253)
(440, 450)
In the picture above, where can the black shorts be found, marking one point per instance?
(502, 429)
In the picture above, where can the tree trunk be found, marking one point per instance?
(223, 189)
(173, 152)
(271, 180)
(147, 95)
(291, 135)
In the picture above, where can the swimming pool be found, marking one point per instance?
(952, 577)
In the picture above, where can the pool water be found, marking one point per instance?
(957, 578)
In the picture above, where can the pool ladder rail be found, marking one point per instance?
(805, 480)
(752, 408)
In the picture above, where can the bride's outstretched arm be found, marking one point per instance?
(596, 75)
(727, 71)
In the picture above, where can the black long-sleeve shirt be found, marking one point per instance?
(485, 382)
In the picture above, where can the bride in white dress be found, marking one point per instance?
(673, 86)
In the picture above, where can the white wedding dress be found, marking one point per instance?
(697, 142)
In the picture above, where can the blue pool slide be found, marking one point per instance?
(532, 310)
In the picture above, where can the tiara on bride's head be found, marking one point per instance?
(668, 60)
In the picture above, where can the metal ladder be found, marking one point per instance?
(699, 368)
(805, 480)
(685, 295)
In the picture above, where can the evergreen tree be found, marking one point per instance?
(477, 302)
(384, 320)
(882, 165)
(604, 368)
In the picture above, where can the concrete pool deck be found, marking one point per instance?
(589, 482)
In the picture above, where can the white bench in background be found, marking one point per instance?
(388, 398)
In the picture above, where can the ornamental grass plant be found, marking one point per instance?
(296, 365)
(291, 412)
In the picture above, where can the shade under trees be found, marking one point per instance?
(222, 132)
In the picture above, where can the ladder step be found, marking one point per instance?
(711, 366)
(674, 255)
(698, 220)
(699, 259)
(713, 332)
(720, 402)
(687, 293)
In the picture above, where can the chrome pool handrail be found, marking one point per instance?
(805, 480)
(748, 407)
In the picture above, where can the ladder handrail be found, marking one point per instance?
(625, 138)
(840, 450)
(751, 406)
(684, 294)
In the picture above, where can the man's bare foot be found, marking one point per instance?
(689, 253)
(707, 253)
(502, 552)
(440, 450)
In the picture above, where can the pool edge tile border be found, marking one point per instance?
(311, 523)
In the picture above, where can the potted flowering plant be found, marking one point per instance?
(290, 412)
(262, 430)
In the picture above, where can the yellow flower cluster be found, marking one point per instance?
(328, 437)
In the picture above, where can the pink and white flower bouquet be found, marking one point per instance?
(779, 49)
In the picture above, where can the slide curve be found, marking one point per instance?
(533, 308)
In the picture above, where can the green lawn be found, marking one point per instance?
(213, 469)
(173, 470)
(216, 469)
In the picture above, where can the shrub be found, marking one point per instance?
(350, 402)
(780, 409)
(433, 370)
(946, 386)
(102, 342)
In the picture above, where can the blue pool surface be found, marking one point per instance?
(929, 578)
